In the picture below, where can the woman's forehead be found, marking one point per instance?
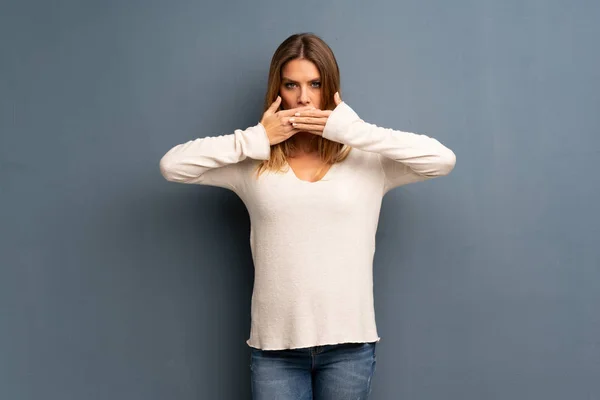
(300, 69)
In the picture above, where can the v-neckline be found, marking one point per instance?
(294, 176)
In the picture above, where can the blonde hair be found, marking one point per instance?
(312, 48)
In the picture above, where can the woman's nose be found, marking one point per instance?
(304, 99)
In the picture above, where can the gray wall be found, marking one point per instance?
(115, 284)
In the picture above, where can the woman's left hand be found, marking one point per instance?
(313, 121)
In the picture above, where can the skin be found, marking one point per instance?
(301, 119)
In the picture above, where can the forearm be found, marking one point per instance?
(424, 155)
(188, 162)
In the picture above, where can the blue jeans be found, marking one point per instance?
(329, 372)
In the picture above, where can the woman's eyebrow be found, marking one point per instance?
(293, 81)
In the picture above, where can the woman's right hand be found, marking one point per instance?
(277, 123)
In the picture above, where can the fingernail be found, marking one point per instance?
(292, 119)
(294, 124)
(297, 114)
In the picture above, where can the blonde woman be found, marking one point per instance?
(312, 175)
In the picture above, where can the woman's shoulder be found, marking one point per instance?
(362, 159)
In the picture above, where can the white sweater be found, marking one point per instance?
(312, 242)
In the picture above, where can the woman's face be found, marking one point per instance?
(300, 84)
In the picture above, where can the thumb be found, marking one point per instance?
(275, 105)
(337, 99)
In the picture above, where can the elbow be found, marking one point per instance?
(445, 164)
(168, 169)
(178, 169)
(449, 161)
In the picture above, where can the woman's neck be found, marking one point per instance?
(304, 143)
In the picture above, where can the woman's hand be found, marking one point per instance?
(277, 123)
(313, 121)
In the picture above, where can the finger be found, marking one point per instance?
(287, 121)
(308, 127)
(309, 120)
(313, 113)
(337, 99)
(292, 111)
(275, 105)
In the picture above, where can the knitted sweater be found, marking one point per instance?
(312, 243)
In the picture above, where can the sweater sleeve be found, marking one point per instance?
(214, 160)
(404, 157)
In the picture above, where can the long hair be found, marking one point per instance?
(312, 48)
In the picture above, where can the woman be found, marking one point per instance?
(312, 175)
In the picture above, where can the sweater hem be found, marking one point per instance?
(319, 343)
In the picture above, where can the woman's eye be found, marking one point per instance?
(290, 85)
